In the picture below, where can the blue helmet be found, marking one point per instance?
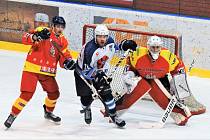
(58, 20)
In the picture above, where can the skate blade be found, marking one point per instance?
(52, 122)
(120, 127)
(88, 125)
(6, 128)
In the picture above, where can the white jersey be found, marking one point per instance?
(96, 57)
(107, 52)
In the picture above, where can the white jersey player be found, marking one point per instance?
(91, 71)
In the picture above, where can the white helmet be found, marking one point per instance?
(154, 41)
(41, 17)
(101, 30)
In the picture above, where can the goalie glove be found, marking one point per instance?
(130, 81)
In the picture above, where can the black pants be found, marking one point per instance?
(85, 93)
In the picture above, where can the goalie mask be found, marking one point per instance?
(154, 45)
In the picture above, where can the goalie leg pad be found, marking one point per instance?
(129, 99)
(180, 87)
(194, 106)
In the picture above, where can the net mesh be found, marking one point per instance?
(140, 35)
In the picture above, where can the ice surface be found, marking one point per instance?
(30, 124)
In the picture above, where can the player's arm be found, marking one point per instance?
(66, 61)
(35, 36)
(178, 84)
(176, 65)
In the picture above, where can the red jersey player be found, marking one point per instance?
(48, 47)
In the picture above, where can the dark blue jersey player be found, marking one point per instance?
(92, 65)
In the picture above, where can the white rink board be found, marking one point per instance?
(195, 32)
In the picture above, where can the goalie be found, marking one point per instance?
(150, 69)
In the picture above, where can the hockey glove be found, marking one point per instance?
(69, 64)
(42, 35)
(128, 44)
(102, 80)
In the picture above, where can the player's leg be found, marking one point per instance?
(135, 88)
(85, 97)
(159, 95)
(128, 100)
(102, 85)
(28, 86)
(180, 87)
(109, 103)
(50, 85)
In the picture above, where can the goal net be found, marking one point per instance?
(140, 35)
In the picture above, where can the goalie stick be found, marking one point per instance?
(160, 124)
(196, 54)
(164, 117)
(94, 92)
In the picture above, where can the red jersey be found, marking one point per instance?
(43, 56)
(167, 62)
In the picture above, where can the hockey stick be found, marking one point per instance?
(196, 52)
(57, 47)
(92, 88)
(95, 94)
(166, 114)
(174, 100)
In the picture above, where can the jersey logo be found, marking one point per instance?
(101, 62)
(173, 62)
(52, 51)
(97, 54)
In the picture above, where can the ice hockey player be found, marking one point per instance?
(48, 47)
(91, 67)
(153, 64)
